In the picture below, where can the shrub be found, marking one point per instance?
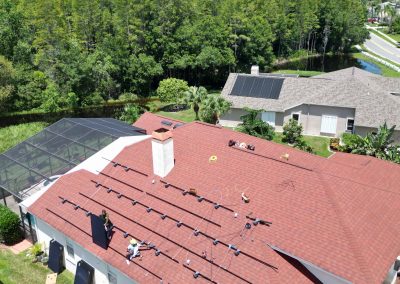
(302, 145)
(172, 90)
(10, 232)
(292, 132)
(131, 113)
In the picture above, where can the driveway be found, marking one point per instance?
(383, 48)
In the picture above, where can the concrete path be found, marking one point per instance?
(383, 48)
(17, 248)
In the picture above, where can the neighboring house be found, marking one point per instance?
(348, 100)
(308, 219)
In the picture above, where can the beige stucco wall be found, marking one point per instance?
(362, 131)
(311, 116)
(232, 117)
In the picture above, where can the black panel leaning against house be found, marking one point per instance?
(347, 100)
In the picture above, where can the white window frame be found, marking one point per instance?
(298, 113)
(347, 124)
(330, 116)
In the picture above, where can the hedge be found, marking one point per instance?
(10, 231)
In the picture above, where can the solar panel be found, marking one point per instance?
(56, 256)
(237, 88)
(84, 273)
(257, 87)
(99, 235)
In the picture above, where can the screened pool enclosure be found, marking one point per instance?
(56, 150)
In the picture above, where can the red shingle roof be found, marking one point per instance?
(328, 212)
(151, 122)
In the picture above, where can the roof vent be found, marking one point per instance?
(178, 125)
(166, 122)
(397, 94)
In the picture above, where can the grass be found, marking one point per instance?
(19, 269)
(386, 71)
(396, 37)
(184, 115)
(12, 135)
(319, 144)
(301, 73)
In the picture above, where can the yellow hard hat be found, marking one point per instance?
(133, 241)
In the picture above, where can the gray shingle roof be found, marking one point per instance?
(355, 88)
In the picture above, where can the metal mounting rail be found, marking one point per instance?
(158, 198)
(65, 220)
(187, 249)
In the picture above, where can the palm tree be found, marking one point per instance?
(391, 12)
(194, 96)
(213, 107)
(376, 144)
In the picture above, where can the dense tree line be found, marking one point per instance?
(72, 53)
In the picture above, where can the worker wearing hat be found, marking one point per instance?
(133, 249)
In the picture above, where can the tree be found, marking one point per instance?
(292, 132)
(253, 125)
(391, 13)
(172, 90)
(376, 144)
(7, 74)
(131, 113)
(213, 107)
(194, 96)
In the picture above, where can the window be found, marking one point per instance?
(268, 117)
(328, 124)
(350, 124)
(112, 278)
(70, 250)
(296, 116)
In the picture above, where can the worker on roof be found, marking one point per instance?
(133, 249)
(108, 225)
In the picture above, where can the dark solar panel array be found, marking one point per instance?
(257, 87)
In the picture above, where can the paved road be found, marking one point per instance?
(383, 48)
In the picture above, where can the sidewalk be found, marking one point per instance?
(17, 248)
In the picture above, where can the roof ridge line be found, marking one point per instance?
(351, 240)
(165, 117)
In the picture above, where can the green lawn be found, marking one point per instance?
(396, 37)
(12, 135)
(319, 144)
(185, 115)
(19, 269)
(386, 71)
(299, 72)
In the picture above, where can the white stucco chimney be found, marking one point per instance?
(162, 147)
(255, 70)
